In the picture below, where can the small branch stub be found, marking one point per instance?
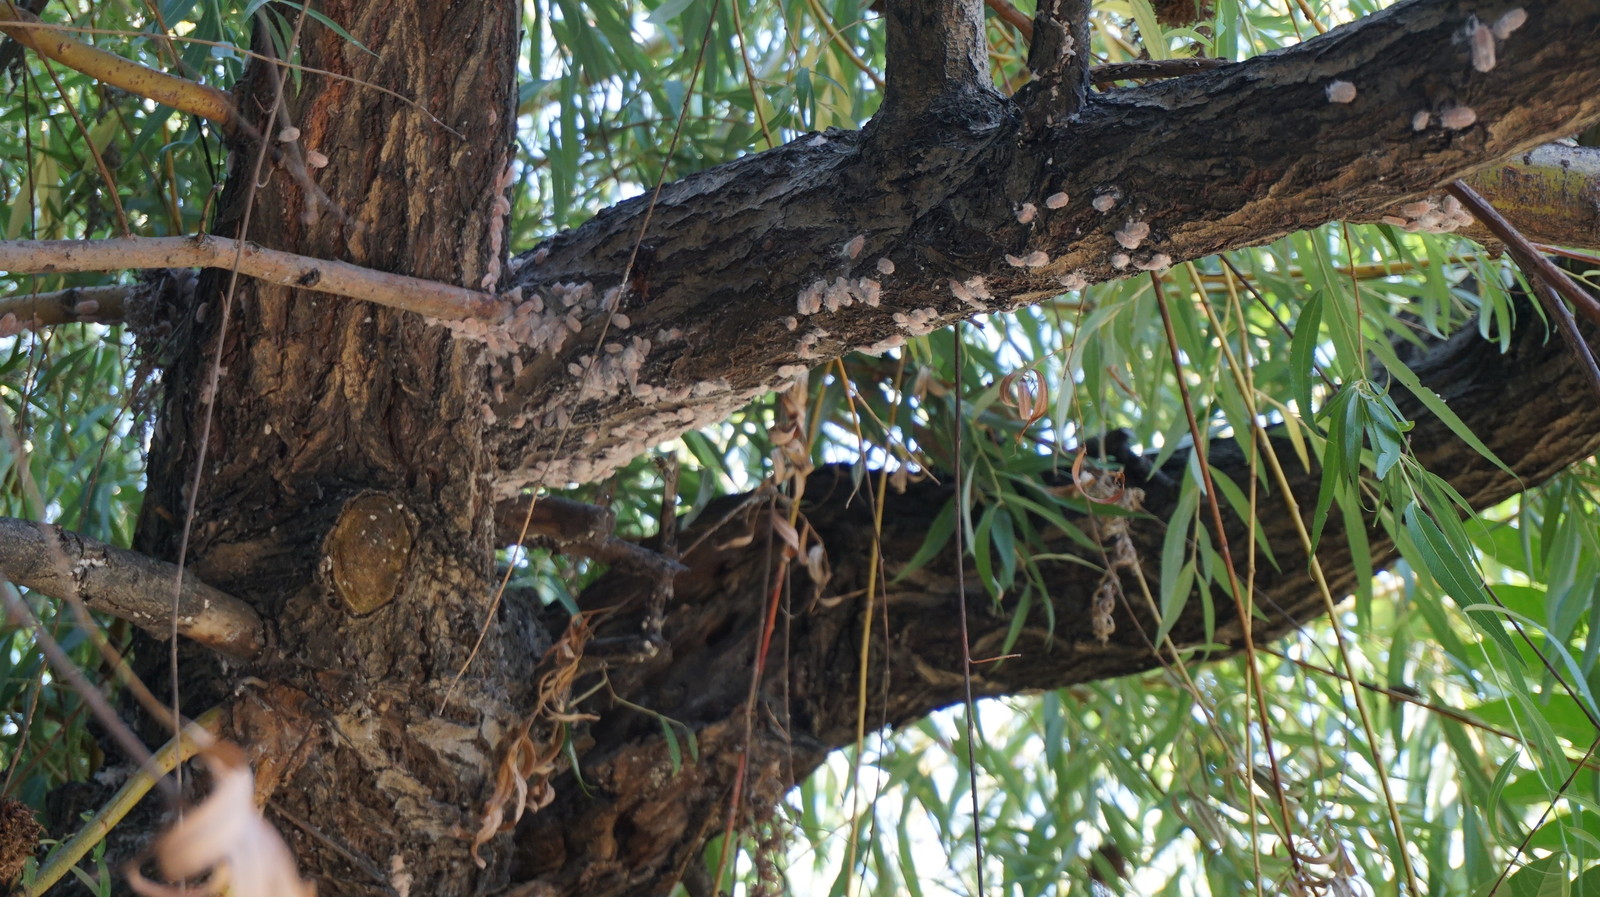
(1059, 58)
(366, 554)
(937, 61)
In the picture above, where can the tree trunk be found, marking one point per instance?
(343, 490)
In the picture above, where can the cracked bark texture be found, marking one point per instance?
(1213, 161)
(342, 436)
(330, 413)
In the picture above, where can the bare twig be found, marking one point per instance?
(109, 68)
(1568, 327)
(125, 584)
(1525, 253)
(67, 672)
(439, 300)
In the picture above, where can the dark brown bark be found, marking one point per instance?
(1213, 161)
(344, 490)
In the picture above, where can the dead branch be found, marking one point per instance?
(127, 585)
(69, 306)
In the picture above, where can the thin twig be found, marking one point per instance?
(66, 671)
(1567, 326)
(969, 718)
(1544, 277)
(1243, 612)
(247, 54)
(428, 297)
(1012, 16)
(833, 35)
(1460, 716)
(1524, 252)
(108, 68)
(1538, 824)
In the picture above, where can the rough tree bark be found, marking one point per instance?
(349, 458)
(343, 488)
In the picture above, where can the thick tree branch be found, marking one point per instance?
(1530, 405)
(1143, 69)
(1547, 193)
(755, 271)
(938, 66)
(440, 300)
(1550, 193)
(126, 585)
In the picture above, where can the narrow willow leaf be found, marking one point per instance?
(940, 532)
(1303, 352)
(1544, 877)
(1433, 402)
(1177, 570)
(1337, 464)
(674, 752)
(1454, 574)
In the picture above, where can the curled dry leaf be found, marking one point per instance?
(736, 542)
(817, 565)
(787, 534)
(1027, 393)
(1105, 487)
(522, 778)
(523, 761)
(227, 839)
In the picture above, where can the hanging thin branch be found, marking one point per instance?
(1545, 279)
